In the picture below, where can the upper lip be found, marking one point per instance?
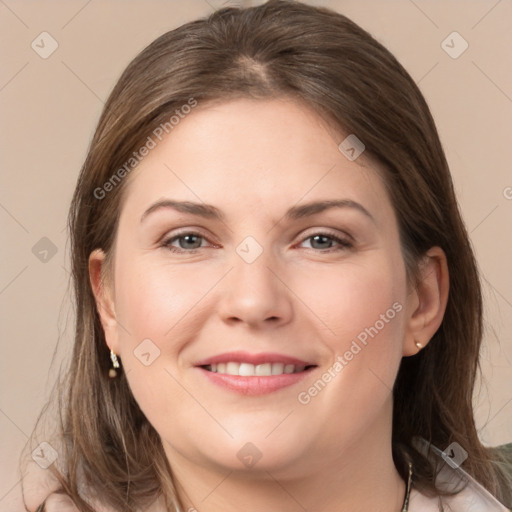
(255, 359)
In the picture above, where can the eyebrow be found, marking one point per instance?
(294, 213)
(200, 209)
(298, 212)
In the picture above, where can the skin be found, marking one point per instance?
(253, 160)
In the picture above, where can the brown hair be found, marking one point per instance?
(281, 48)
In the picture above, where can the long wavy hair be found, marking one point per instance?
(280, 48)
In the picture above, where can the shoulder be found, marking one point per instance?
(503, 454)
(503, 458)
(470, 498)
(42, 492)
(466, 492)
(58, 503)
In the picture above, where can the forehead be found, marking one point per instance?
(255, 152)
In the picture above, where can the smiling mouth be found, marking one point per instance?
(254, 374)
(251, 370)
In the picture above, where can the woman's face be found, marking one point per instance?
(251, 276)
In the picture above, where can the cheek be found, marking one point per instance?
(356, 300)
(167, 305)
(362, 311)
(159, 310)
(153, 298)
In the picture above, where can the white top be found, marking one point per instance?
(468, 500)
(472, 498)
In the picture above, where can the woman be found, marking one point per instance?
(278, 304)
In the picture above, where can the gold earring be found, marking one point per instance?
(419, 345)
(112, 373)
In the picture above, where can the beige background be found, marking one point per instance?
(50, 108)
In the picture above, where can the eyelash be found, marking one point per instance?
(343, 243)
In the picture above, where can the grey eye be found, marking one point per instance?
(189, 241)
(321, 242)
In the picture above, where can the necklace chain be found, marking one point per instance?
(405, 506)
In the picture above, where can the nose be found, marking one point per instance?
(256, 294)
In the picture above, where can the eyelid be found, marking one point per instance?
(192, 230)
(329, 232)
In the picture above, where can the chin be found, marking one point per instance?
(258, 451)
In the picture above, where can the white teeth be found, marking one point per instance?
(288, 368)
(263, 370)
(245, 370)
(277, 368)
(251, 370)
(233, 368)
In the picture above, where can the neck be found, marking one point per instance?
(360, 477)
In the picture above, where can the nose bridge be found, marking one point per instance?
(252, 291)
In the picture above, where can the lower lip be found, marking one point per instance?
(255, 385)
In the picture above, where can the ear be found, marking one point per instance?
(104, 294)
(427, 301)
